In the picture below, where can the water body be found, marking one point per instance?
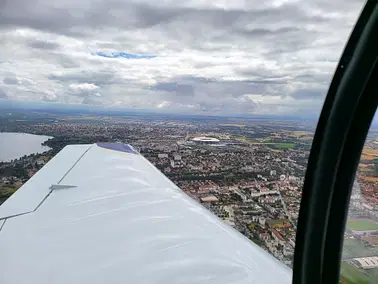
(16, 145)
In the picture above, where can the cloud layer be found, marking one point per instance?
(199, 56)
(117, 54)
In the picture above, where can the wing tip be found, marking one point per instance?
(117, 146)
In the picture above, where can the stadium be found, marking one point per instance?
(205, 140)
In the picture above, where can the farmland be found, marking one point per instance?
(362, 225)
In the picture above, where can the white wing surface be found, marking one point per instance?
(102, 213)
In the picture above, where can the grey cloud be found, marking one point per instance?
(3, 95)
(209, 94)
(225, 30)
(271, 81)
(11, 81)
(40, 16)
(315, 78)
(211, 87)
(226, 95)
(99, 78)
(50, 98)
(271, 51)
(260, 73)
(227, 105)
(84, 92)
(303, 94)
(66, 62)
(91, 101)
(284, 28)
(71, 19)
(177, 88)
(264, 31)
(44, 45)
(127, 14)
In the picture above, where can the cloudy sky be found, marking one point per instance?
(198, 56)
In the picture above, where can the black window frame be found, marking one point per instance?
(340, 135)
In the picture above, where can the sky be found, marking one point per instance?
(195, 56)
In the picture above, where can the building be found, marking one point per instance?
(161, 156)
(264, 236)
(262, 221)
(241, 194)
(277, 236)
(209, 199)
(292, 242)
(366, 262)
(267, 192)
(177, 157)
(288, 251)
(205, 140)
(364, 233)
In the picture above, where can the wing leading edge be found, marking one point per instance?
(113, 217)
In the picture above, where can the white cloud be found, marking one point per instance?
(209, 54)
(83, 87)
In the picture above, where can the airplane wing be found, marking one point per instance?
(102, 213)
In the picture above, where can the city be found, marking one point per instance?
(249, 172)
(249, 175)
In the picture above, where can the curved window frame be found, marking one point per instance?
(342, 128)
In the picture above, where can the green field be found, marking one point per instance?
(278, 145)
(362, 225)
(283, 145)
(356, 248)
(7, 190)
(251, 227)
(352, 275)
(373, 274)
(278, 222)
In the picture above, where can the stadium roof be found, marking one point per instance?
(205, 139)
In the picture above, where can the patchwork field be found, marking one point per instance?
(351, 275)
(369, 154)
(281, 145)
(372, 179)
(355, 248)
(7, 190)
(232, 125)
(301, 135)
(365, 157)
(362, 224)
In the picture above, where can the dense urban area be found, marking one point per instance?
(247, 171)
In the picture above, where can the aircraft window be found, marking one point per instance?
(360, 250)
(222, 98)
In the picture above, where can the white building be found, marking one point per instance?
(177, 157)
(366, 262)
(161, 156)
(262, 221)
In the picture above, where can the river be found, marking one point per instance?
(15, 145)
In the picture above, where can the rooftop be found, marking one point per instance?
(205, 139)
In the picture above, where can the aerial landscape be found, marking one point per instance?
(222, 97)
(248, 171)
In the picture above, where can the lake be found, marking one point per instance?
(16, 145)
